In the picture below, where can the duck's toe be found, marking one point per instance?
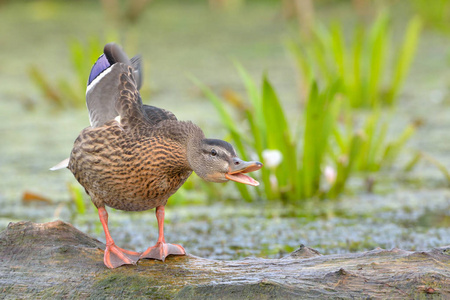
(115, 257)
(161, 250)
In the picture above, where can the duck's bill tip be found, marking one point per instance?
(253, 166)
(244, 166)
(242, 178)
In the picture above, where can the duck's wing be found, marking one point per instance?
(113, 91)
(107, 82)
(128, 103)
(136, 63)
(156, 114)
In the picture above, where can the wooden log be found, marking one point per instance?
(55, 260)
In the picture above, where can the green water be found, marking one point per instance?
(409, 211)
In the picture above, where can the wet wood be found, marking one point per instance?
(55, 260)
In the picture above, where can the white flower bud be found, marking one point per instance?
(330, 174)
(272, 158)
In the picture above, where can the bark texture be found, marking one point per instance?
(55, 260)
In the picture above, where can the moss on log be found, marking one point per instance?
(55, 260)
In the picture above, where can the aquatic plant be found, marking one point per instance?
(316, 154)
(79, 204)
(430, 159)
(69, 92)
(293, 164)
(360, 64)
(435, 14)
(376, 150)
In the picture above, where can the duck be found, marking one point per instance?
(133, 156)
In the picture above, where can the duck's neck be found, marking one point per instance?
(188, 135)
(194, 146)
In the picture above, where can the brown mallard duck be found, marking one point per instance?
(133, 157)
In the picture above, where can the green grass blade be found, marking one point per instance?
(346, 164)
(370, 130)
(378, 142)
(439, 165)
(393, 149)
(255, 114)
(405, 56)
(77, 198)
(413, 162)
(339, 50)
(320, 55)
(279, 136)
(78, 59)
(42, 82)
(378, 44)
(274, 117)
(71, 93)
(357, 86)
(320, 115)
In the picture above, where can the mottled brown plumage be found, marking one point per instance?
(133, 173)
(138, 159)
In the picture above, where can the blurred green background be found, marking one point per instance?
(346, 102)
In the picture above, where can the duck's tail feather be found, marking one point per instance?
(62, 165)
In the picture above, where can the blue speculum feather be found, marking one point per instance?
(100, 65)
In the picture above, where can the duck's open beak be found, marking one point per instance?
(237, 169)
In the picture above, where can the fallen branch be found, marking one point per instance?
(55, 260)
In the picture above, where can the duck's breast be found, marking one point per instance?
(130, 174)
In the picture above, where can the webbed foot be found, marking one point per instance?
(161, 250)
(115, 257)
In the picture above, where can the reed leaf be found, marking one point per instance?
(362, 64)
(346, 165)
(77, 198)
(377, 48)
(405, 57)
(279, 136)
(393, 149)
(300, 174)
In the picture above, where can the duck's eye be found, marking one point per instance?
(213, 152)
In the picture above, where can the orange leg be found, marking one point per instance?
(115, 256)
(161, 250)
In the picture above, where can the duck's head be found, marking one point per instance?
(216, 161)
